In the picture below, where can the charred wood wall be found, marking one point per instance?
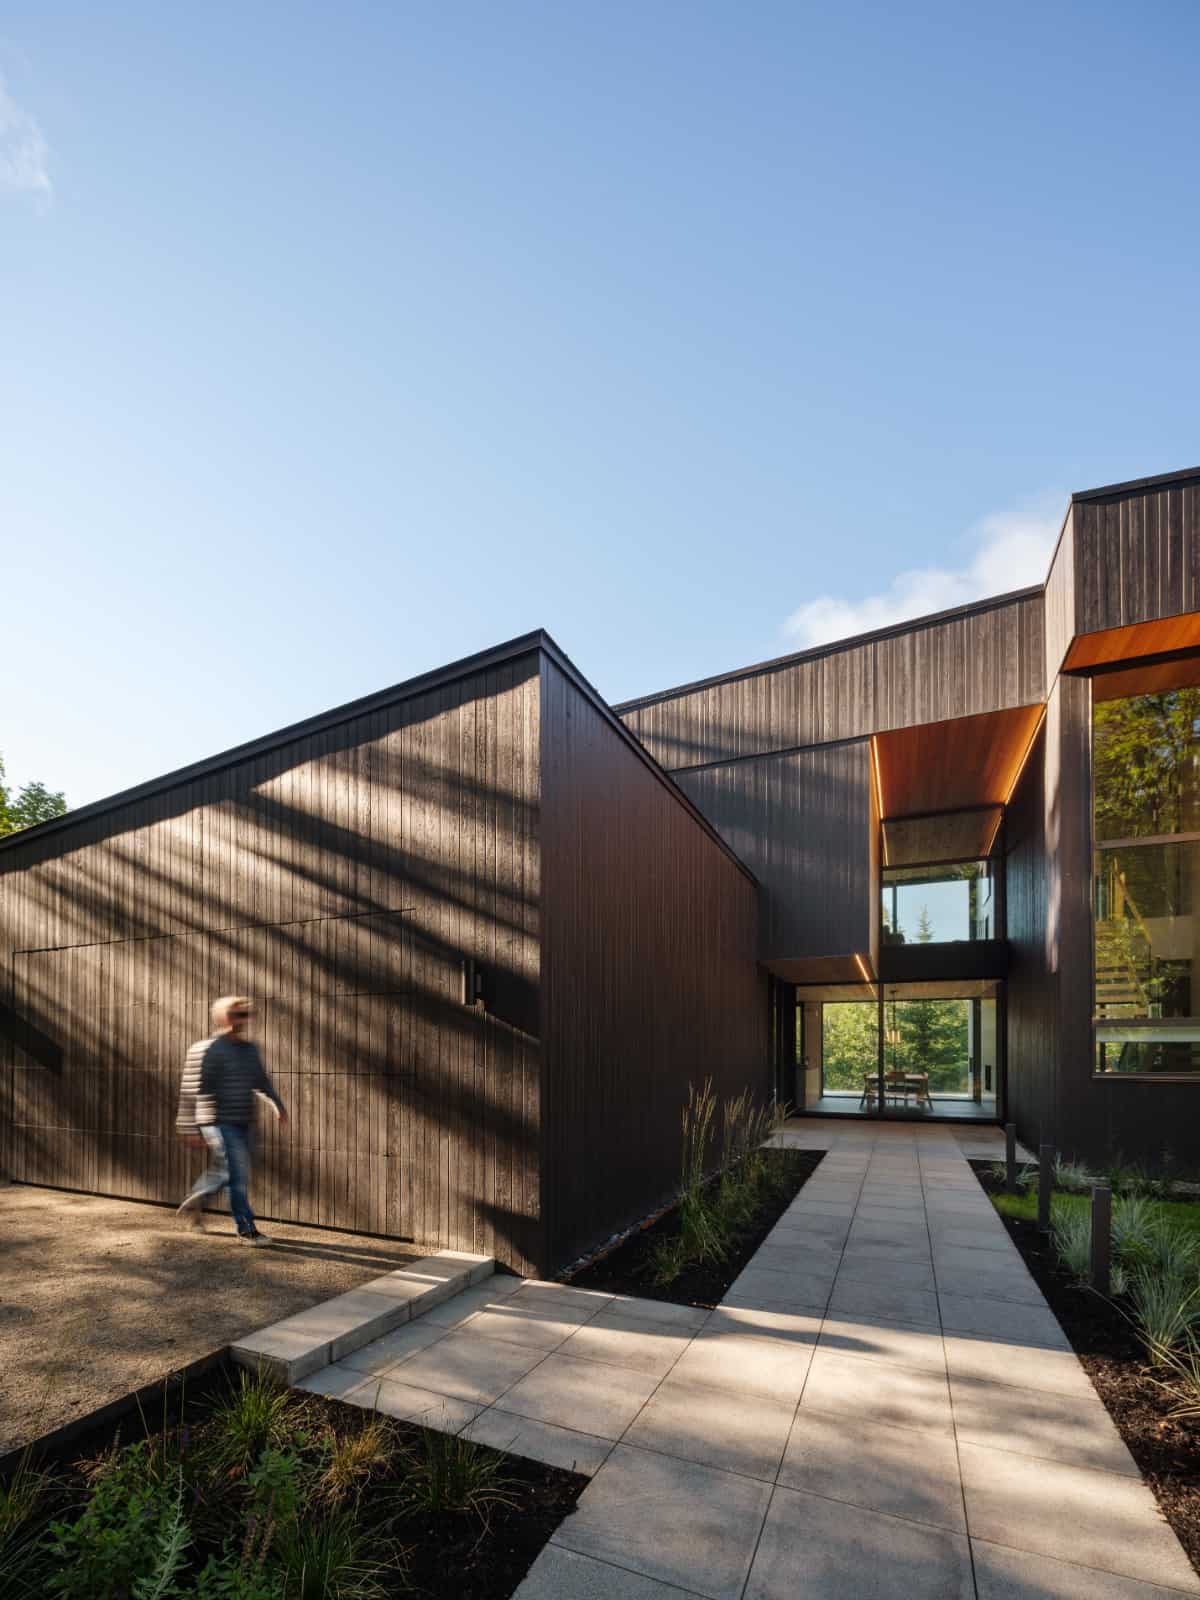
(1136, 554)
(987, 658)
(339, 878)
(804, 823)
(1031, 991)
(648, 973)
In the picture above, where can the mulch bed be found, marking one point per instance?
(1166, 1449)
(704, 1284)
(449, 1556)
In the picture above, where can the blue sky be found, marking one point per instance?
(338, 342)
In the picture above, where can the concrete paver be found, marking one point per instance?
(821, 1550)
(670, 1519)
(880, 1468)
(561, 1574)
(1003, 1574)
(736, 1432)
(883, 1405)
(587, 1395)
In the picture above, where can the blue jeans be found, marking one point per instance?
(228, 1164)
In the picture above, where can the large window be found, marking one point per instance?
(849, 1045)
(936, 905)
(1146, 777)
(948, 1040)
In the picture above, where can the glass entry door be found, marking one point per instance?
(910, 1050)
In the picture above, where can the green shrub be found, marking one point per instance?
(1072, 1176)
(1174, 1251)
(1166, 1309)
(170, 1552)
(330, 1560)
(253, 1415)
(26, 1503)
(1182, 1383)
(1134, 1228)
(1071, 1236)
(449, 1473)
(665, 1260)
(129, 1520)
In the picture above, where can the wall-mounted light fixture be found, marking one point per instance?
(472, 982)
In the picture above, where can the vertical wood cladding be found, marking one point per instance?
(1031, 988)
(649, 980)
(339, 879)
(803, 825)
(1060, 599)
(986, 659)
(1052, 1091)
(1136, 554)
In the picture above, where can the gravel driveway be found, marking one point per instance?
(100, 1296)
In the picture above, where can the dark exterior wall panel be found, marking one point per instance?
(988, 659)
(1031, 988)
(339, 879)
(803, 824)
(1137, 555)
(649, 980)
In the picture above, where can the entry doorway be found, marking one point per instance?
(916, 1051)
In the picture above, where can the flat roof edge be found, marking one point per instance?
(891, 630)
(1162, 481)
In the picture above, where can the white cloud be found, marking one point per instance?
(24, 153)
(1007, 550)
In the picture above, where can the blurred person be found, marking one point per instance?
(221, 1076)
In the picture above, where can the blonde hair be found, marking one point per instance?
(222, 1007)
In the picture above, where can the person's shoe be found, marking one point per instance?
(190, 1214)
(254, 1237)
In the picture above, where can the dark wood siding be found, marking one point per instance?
(803, 825)
(1136, 555)
(987, 659)
(1052, 1091)
(649, 980)
(1031, 991)
(1060, 599)
(340, 879)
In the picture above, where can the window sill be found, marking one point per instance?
(1146, 1077)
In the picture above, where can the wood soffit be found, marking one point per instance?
(955, 765)
(1109, 645)
(950, 836)
(847, 969)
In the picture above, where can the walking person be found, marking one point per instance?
(221, 1076)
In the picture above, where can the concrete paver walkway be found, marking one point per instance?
(882, 1406)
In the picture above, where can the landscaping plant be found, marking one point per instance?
(1166, 1309)
(27, 1503)
(450, 1474)
(265, 1497)
(1071, 1235)
(727, 1174)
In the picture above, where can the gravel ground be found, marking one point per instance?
(100, 1296)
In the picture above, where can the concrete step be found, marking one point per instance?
(299, 1344)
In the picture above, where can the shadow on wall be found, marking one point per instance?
(340, 880)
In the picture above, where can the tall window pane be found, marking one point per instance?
(1146, 781)
(1144, 755)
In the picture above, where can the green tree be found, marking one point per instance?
(1144, 755)
(34, 803)
(849, 1042)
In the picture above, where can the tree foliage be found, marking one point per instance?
(32, 804)
(1144, 756)
(919, 1036)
